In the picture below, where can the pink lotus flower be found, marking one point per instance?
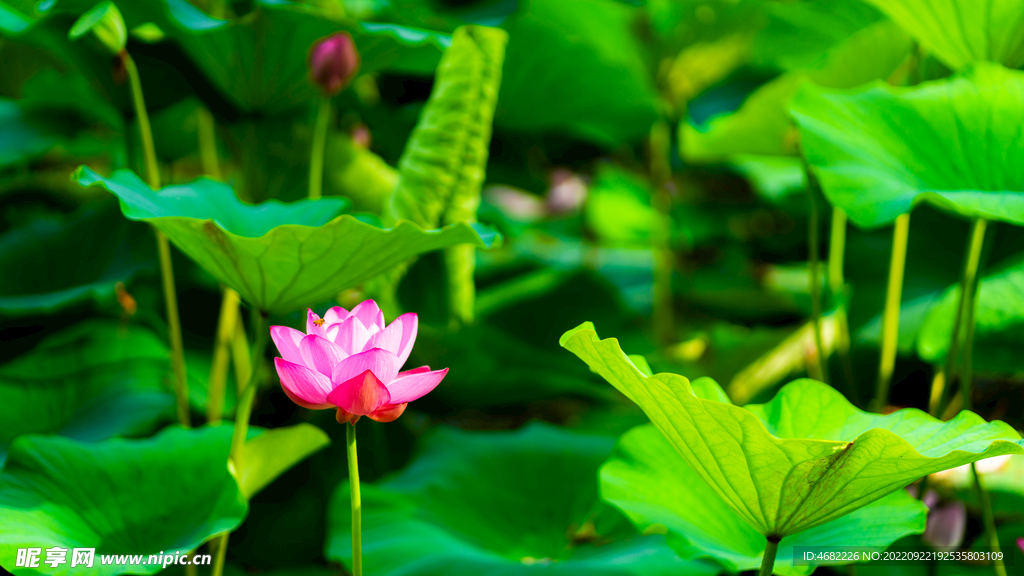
(350, 361)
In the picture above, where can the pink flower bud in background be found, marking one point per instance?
(1020, 544)
(333, 62)
(567, 193)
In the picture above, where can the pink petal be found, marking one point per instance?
(315, 324)
(335, 315)
(351, 335)
(414, 384)
(1020, 543)
(399, 336)
(382, 363)
(369, 314)
(287, 341)
(320, 354)
(388, 412)
(361, 394)
(305, 387)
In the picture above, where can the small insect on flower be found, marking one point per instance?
(350, 361)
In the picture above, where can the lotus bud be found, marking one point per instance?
(333, 62)
(105, 21)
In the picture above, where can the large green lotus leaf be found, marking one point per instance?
(91, 381)
(444, 162)
(253, 67)
(798, 33)
(999, 318)
(575, 66)
(163, 494)
(279, 257)
(272, 452)
(804, 459)
(952, 142)
(500, 503)
(649, 481)
(61, 261)
(960, 32)
(762, 126)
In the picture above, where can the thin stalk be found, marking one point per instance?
(891, 314)
(967, 277)
(316, 155)
(357, 506)
(815, 271)
(163, 247)
(837, 251)
(768, 561)
(922, 488)
(970, 309)
(240, 357)
(226, 329)
(208, 143)
(220, 546)
(990, 523)
(242, 413)
(248, 393)
(660, 147)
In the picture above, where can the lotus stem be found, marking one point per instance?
(208, 143)
(660, 147)
(357, 506)
(226, 329)
(220, 551)
(163, 246)
(970, 309)
(965, 292)
(460, 264)
(240, 357)
(837, 285)
(248, 392)
(891, 314)
(815, 271)
(768, 561)
(990, 523)
(316, 155)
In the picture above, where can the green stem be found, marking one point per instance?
(163, 246)
(891, 314)
(837, 285)
(316, 155)
(815, 271)
(660, 147)
(990, 523)
(208, 143)
(970, 308)
(242, 415)
(768, 561)
(922, 488)
(357, 506)
(226, 326)
(220, 545)
(248, 393)
(964, 291)
(837, 251)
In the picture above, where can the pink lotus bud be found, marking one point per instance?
(1020, 544)
(333, 62)
(350, 362)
